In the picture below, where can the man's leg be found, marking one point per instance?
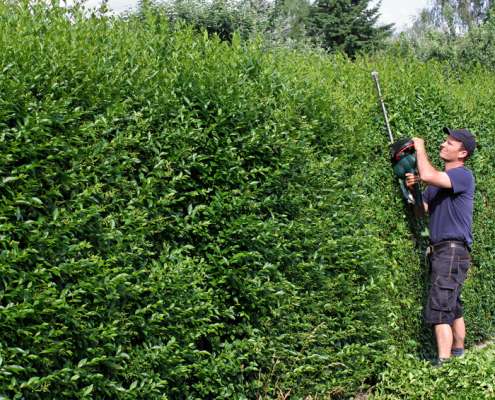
(444, 336)
(459, 334)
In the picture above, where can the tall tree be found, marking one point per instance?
(455, 15)
(347, 25)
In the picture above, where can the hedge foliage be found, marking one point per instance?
(184, 218)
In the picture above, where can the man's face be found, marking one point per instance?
(451, 149)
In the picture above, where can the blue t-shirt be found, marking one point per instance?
(451, 210)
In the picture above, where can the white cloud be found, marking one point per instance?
(399, 12)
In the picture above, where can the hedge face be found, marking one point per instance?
(178, 213)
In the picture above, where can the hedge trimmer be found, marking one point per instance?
(402, 157)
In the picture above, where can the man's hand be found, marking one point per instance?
(411, 180)
(427, 173)
(419, 144)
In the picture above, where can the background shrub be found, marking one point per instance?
(458, 51)
(220, 17)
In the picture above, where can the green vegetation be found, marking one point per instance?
(456, 15)
(463, 41)
(468, 377)
(221, 17)
(347, 26)
(278, 24)
(187, 218)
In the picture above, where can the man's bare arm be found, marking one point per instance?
(427, 173)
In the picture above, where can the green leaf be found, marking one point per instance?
(87, 390)
(33, 379)
(9, 178)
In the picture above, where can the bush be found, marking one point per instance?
(220, 17)
(460, 52)
(186, 218)
(279, 25)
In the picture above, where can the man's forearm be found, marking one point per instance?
(426, 170)
(427, 173)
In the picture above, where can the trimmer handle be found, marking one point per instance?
(416, 199)
(417, 195)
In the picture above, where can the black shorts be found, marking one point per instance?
(449, 268)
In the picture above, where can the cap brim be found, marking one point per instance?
(447, 130)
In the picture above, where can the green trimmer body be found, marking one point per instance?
(403, 162)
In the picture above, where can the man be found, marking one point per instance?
(449, 200)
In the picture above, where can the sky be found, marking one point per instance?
(399, 11)
(392, 11)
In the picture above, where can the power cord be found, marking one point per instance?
(480, 328)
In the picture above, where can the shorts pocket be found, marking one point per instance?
(460, 268)
(443, 294)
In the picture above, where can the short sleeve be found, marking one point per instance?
(462, 179)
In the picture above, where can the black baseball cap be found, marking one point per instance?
(465, 137)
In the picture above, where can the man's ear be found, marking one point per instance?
(463, 155)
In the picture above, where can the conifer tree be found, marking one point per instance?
(347, 25)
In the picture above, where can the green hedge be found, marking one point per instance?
(184, 218)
